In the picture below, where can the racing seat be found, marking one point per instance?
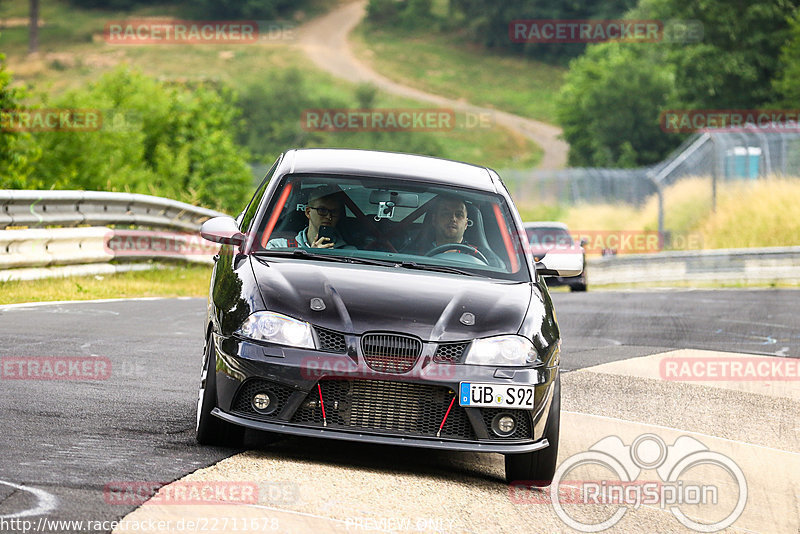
(476, 235)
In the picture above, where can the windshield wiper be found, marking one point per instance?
(428, 267)
(303, 254)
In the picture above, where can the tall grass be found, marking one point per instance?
(764, 213)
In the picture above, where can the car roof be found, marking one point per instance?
(389, 164)
(546, 224)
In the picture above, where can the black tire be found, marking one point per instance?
(583, 284)
(537, 468)
(211, 430)
(577, 287)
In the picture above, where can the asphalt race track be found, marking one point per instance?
(65, 442)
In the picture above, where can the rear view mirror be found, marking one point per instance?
(555, 264)
(222, 230)
(400, 200)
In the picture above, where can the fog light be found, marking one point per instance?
(262, 403)
(503, 425)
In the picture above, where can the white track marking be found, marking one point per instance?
(46, 502)
(4, 307)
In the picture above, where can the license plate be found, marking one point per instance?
(495, 396)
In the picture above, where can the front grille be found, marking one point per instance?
(241, 403)
(449, 352)
(393, 407)
(390, 353)
(330, 341)
(522, 417)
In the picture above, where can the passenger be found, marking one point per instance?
(325, 208)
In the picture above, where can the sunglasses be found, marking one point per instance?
(324, 212)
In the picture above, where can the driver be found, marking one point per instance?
(449, 218)
(325, 208)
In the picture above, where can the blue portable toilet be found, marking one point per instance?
(743, 162)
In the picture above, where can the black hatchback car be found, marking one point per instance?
(383, 298)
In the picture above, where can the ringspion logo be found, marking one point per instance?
(691, 477)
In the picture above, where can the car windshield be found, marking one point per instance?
(401, 223)
(548, 237)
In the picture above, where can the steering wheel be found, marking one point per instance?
(458, 246)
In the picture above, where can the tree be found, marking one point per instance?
(734, 63)
(487, 22)
(787, 83)
(610, 104)
(616, 92)
(18, 150)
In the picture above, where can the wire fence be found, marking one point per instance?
(723, 156)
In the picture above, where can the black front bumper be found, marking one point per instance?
(363, 405)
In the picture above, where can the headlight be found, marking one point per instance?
(501, 350)
(277, 328)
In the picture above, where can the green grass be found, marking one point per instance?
(184, 281)
(448, 65)
(73, 53)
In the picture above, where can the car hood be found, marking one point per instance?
(362, 298)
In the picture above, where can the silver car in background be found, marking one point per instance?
(550, 237)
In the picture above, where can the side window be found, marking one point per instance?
(252, 208)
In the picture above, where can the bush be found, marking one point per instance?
(408, 14)
(383, 11)
(18, 150)
(175, 142)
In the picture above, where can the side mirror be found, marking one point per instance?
(222, 230)
(555, 264)
(584, 242)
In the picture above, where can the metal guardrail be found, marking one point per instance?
(41, 251)
(780, 264)
(39, 209)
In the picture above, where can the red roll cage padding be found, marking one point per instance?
(512, 257)
(273, 219)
